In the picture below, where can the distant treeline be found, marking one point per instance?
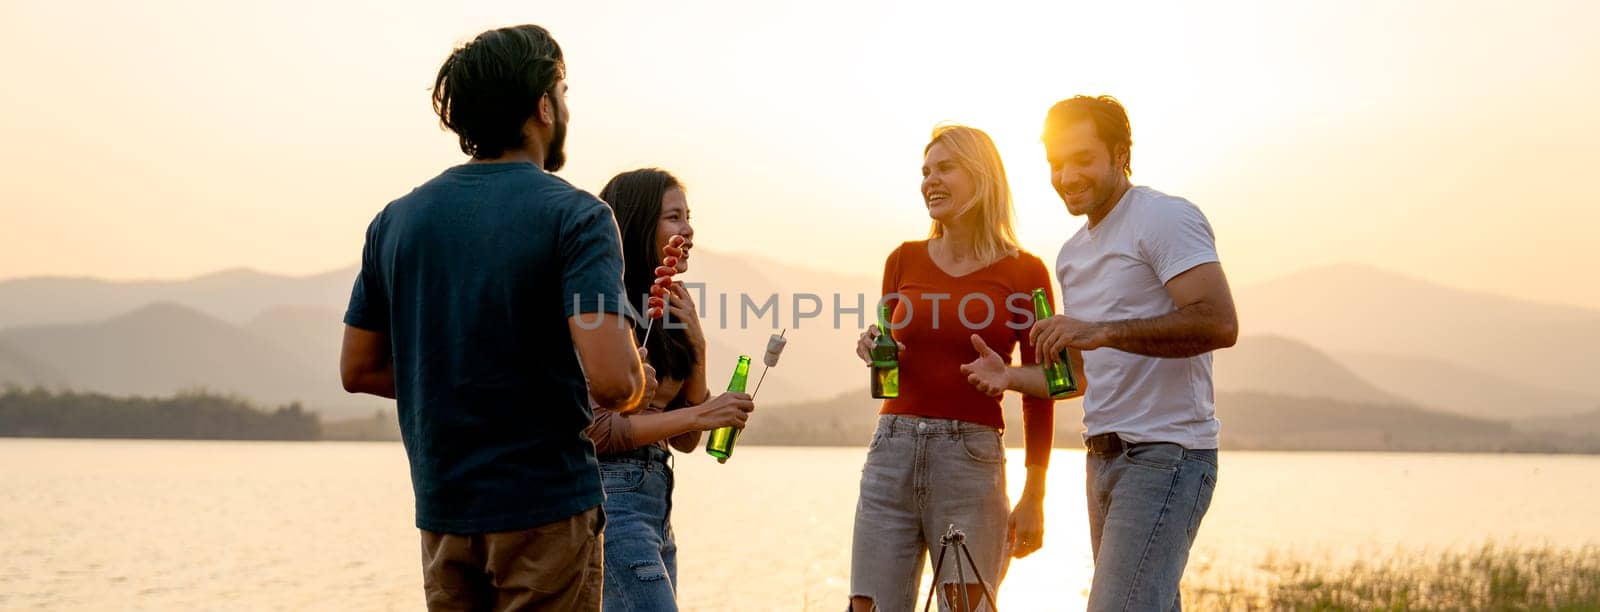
(193, 415)
(1251, 421)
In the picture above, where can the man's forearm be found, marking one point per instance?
(376, 382)
(1186, 332)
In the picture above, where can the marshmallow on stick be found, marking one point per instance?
(775, 346)
(774, 350)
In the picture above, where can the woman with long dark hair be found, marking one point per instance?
(634, 447)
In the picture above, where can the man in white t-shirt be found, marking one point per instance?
(1144, 302)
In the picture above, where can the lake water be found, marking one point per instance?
(111, 524)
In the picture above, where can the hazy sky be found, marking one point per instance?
(1447, 140)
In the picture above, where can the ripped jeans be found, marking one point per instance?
(922, 475)
(641, 556)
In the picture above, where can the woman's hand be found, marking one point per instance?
(684, 313)
(730, 409)
(988, 373)
(867, 340)
(1025, 528)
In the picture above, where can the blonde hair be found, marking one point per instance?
(975, 152)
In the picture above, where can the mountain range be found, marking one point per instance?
(1350, 308)
(1347, 335)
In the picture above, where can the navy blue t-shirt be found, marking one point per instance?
(473, 276)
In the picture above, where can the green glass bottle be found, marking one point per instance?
(1059, 376)
(720, 444)
(885, 360)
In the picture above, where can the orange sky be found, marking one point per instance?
(1445, 140)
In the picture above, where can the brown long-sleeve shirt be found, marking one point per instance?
(612, 431)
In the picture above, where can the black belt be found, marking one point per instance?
(1105, 444)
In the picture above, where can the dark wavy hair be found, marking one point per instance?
(488, 88)
(1110, 122)
(635, 198)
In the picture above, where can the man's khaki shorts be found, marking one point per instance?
(557, 566)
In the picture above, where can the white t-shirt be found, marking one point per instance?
(1117, 271)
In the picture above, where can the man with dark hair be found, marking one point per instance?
(1145, 301)
(490, 305)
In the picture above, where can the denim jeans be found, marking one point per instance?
(1145, 506)
(921, 476)
(641, 564)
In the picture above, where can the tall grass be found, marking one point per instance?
(1493, 577)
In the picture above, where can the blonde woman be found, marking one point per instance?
(936, 458)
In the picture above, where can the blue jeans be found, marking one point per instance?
(1145, 506)
(921, 476)
(641, 564)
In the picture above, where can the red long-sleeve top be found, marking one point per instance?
(935, 314)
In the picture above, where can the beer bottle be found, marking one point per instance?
(720, 444)
(1059, 376)
(885, 360)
